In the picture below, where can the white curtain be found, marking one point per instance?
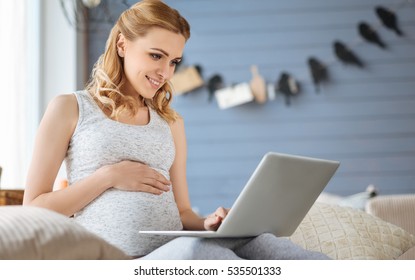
(18, 114)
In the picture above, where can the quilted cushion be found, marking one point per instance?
(28, 233)
(347, 233)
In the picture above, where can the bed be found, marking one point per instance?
(340, 232)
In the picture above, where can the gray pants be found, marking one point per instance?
(264, 247)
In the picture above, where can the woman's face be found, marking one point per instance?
(150, 61)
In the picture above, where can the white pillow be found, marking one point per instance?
(36, 233)
(348, 233)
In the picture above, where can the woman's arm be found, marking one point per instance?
(190, 220)
(52, 141)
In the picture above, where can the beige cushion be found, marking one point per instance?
(396, 209)
(37, 233)
(408, 255)
(347, 233)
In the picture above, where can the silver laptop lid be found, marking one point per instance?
(278, 195)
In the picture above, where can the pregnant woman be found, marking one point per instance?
(125, 150)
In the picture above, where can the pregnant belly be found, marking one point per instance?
(117, 216)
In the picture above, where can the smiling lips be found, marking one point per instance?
(154, 83)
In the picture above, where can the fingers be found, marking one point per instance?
(214, 220)
(151, 189)
(156, 180)
(160, 178)
(221, 212)
(137, 176)
(156, 184)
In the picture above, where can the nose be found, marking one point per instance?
(165, 71)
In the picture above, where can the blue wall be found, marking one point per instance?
(363, 117)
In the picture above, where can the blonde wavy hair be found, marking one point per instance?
(108, 75)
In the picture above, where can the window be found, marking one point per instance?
(19, 94)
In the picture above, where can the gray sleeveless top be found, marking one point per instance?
(117, 215)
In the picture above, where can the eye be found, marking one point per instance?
(175, 62)
(155, 56)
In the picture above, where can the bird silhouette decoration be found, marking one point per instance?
(370, 35)
(388, 19)
(213, 84)
(288, 86)
(346, 56)
(318, 71)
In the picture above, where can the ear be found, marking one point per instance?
(121, 45)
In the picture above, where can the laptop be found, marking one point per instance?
(275, 199)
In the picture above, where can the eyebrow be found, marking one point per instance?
(164, 52)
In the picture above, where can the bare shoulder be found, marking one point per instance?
(65, 102)
(177, 127)
(62, 110)
(178, 132)
(65, 105)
